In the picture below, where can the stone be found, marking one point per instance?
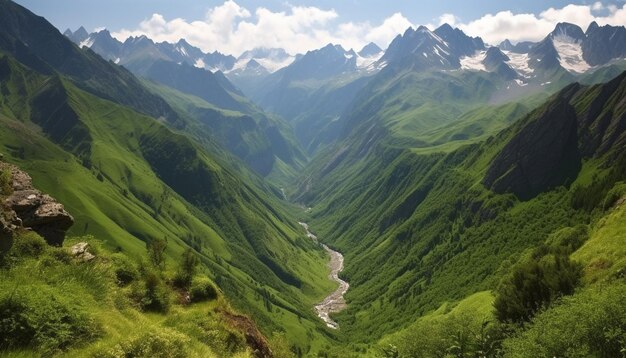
(30, 208)
(81, 252)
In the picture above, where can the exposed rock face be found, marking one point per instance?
(254, 338)
(29, 208)
(541, 156)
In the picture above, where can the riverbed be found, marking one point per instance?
(334, 302)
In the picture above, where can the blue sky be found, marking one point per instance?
(117, 14)
(233, 26)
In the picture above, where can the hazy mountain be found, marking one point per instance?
(78, 36)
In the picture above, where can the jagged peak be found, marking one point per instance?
(496, 54)
(445, 27)
(592, 27)
(568, 30)
(369, 50)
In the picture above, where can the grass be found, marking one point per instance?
(108, 321)
(118, 190)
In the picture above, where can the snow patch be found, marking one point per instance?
(368, 62)
(521, 83)
(273, 65)
(519, 62)
(570, 54)
(117, 60)
(88, 42)
(474, 63)
(199, 63)
(182, 51)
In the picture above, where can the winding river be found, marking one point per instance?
(335, 301)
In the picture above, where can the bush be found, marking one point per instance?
(187, 269)
(202, 289)
(164, 343)
(28, 245)
(591, 323)
(5, 182)
(153, 295)
(125, 271)
(533, 284)
(454, 335)
(156, 252)
(36, 317)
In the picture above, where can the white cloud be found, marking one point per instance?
(530, 27)
(231, 28)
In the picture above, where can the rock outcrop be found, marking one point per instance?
(29, 208)
(544, 154)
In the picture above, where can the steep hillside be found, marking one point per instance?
(264, 143)
(439, 227)
(86, 300)
(130, 180)
(39, 45)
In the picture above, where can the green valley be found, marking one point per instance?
(443, 197)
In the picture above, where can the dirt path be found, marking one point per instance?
(335, 301)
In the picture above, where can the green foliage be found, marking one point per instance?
(591, 323)
(597, 193)
(390, 351)
(280, 346)
(5, 182)
(151, 293)
(210, 330)
(164, 343)
(38, 317)
(156, 252)
(459, 335)
(187, 268)
(534, 284)
(125, 271)
(27, 245)
(202, 289)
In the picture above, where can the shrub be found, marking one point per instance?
(156, 252)
(5, 182)
(164, 343)
(202, 289)
(187, 269)
(533, 284)
(36, 317)
(28, 245)
(591, 323)
(125, 271)
(153, 295)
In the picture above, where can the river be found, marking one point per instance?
(334, 302)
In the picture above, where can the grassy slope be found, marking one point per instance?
(433, 231)
(120, 198)
(259, 140)
(113, 317)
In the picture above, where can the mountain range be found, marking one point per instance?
(471, 196)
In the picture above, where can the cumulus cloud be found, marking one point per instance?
(231, 28)
(530, 27)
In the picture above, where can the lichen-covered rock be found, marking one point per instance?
(81, 252)
(28, 207)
